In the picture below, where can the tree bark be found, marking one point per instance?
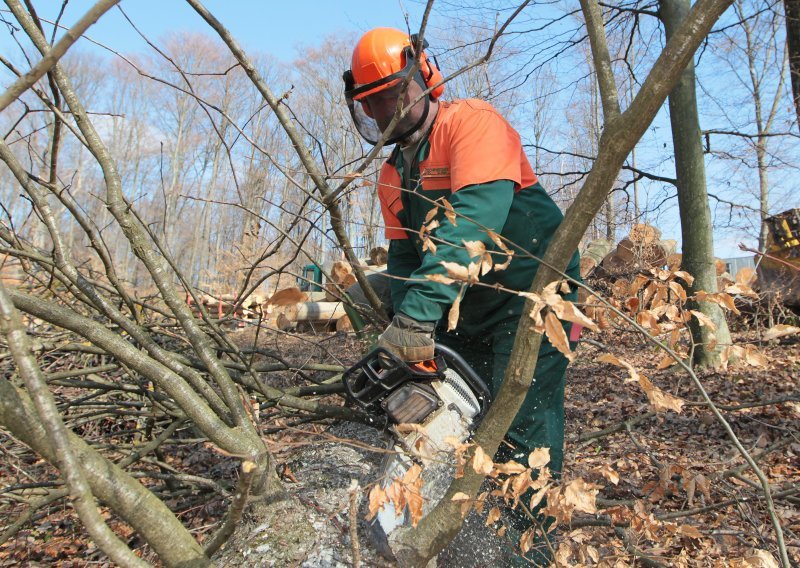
(695, 213)
(792, 8)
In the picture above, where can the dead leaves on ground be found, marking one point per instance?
(660, 400)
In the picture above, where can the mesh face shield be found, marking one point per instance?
(388, 90)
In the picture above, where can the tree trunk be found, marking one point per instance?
(698, 244)
(792, 8)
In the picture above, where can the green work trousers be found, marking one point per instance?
(540, 421)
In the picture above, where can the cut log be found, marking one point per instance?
(344, 325)
(318, 311)
(378, 256)
(333, 292)
(642, 233)
(340, 270)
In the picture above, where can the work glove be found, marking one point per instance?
(409, 339)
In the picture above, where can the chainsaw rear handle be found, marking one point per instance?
(475, 382)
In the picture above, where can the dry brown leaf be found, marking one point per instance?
(486, 263)
(526, 540)
(428, 244)
(493, 516)
(666, 362)
(720, 298)
(473, 272)
(474, 248)
(608, 472)
(753, 357)
(566, 310)
(556, 335)
(509, 468)
(658, 398)
(431, 214)
(581, 495)
(703, 320)
(678, 290)
(498, 240)
(455, 270)
(758, 559)
(780, 330)
(520, 484)
(690, 531)
(449, 212)
(741, 289)
(452, 316)
(407, 428)
(538, 496)
(685, 276)
(465, 502)
(440, 278)
(504, 265)
(539, 458)
(377, 499)
(482, 463)
(647, 320)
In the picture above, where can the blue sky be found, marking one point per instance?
(280, 28)
(276, 27)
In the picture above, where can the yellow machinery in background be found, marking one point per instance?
(779, 269)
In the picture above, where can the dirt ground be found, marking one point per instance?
(675, 480)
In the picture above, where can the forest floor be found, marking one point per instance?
(675, 480)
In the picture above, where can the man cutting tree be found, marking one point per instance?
(458, 174)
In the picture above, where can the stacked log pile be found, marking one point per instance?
(219, 305)
(642, 249)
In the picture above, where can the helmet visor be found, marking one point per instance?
(382, 105)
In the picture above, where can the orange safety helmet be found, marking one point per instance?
(381, 59)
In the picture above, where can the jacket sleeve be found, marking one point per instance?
(403, 261)
(485, 205)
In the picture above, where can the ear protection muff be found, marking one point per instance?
(430, 71)
(432, 76)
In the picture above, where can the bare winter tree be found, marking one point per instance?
(255, 174)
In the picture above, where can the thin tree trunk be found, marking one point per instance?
(792, 8)
(698, 244)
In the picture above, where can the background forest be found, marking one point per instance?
(142, 424)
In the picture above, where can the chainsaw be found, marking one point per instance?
(439, 402)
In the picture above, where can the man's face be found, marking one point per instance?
(383, 104)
